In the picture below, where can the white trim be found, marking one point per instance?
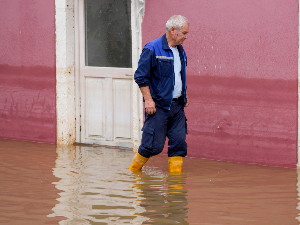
(163, 57)
(77, 84)
(65, 78)
(137, 15)
(298, 141)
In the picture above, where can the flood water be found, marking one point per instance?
(46, 184)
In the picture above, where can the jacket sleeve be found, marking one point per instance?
(146, 63)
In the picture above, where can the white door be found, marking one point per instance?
(105, 58)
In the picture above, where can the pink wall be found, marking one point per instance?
(27, 70)
(242, 77)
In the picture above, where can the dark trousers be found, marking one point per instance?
(165, 123)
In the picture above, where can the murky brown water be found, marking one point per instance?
(42, 184)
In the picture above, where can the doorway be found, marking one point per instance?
(104, 51)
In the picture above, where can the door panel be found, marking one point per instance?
(94, 107)
(122, 109)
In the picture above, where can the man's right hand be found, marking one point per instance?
(150, 106)
(149, 103)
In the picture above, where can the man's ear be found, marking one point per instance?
(172, 30)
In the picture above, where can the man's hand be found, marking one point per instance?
(149, 103)
(150, 106)
(187, 100)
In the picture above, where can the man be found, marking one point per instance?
(161, 76)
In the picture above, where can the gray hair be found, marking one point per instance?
(176, 21)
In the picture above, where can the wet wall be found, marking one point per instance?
(241, 77)
(27, 70)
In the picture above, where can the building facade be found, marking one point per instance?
(66, 75)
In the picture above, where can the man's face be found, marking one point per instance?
(179, 36)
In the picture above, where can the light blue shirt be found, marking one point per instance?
(177, 71)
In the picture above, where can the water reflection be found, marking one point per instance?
(163, 198)
(98, 189)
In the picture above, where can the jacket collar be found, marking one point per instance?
(165, 45)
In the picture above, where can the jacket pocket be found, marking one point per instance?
(165, 67)
(147, 137)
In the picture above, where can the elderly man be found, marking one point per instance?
(161, 76)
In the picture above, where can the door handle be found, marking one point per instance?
(129, 74)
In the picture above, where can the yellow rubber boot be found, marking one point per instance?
(138, 162)
(175, 164)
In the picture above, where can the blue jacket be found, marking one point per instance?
(156, 70)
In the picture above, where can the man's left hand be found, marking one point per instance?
(187, 100)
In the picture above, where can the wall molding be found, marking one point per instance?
(65, 74)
